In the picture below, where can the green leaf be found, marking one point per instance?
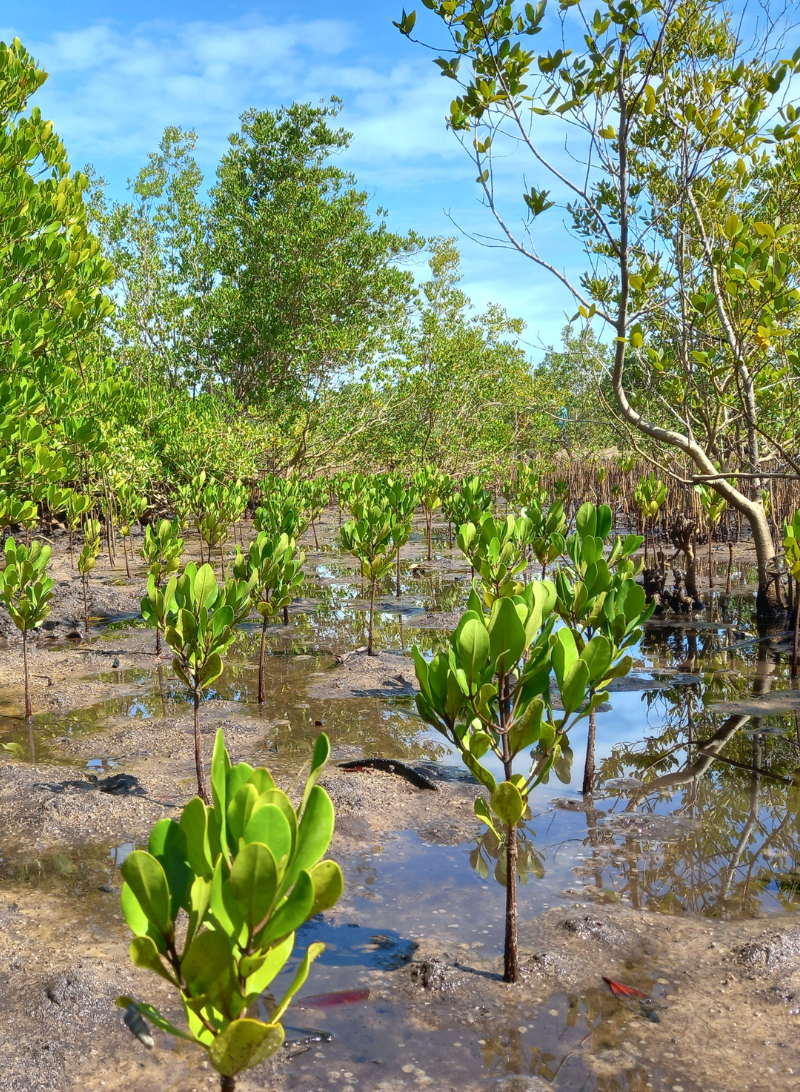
(328, 886)
(205, 587)
(261, 970)
(322, 750)
(268, 824)
(243, 1044)
(194, 824)
(253, 883)
(506, 636)
(156, 1019)
(507, 803)
(148, 882)
(313, 835)
(167, 844)
(208, 969)
(472, 645)
(292, 913)
(314, 950)
(144, 954)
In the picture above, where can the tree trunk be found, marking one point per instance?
(429, 522)
(750, 507)
(796, 635)
(227, 1084)
(202, 790)
(286, 615)
(510, 955)
(261, 662)
(398, 593)
(371, 631)
(588, 770)
(28, 710)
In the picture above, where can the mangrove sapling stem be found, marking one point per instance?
(510, 957)
(730, 569)
(588, 770)
(371, 629)
(202, 790)
(85, 605)
(398, 592)
(314, 531)
(227, 1084)
(125, 551)
(261, 694)
(28, 710)
(796, 635)
(429, 522)
(222, 561)
(286, 615)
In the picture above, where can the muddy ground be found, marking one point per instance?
(724, 996)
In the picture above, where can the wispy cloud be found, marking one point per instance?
(113, 88)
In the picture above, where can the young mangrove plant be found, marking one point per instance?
(131, 506)
(25, 592)
(78, 504)
(713, 509)
(468, 504)
(197, 618)
(86, 562)
(275, 569)
(649, 495)
(248, 871)
(490, 694)
(162, 550)
(372, 541)
(598, 595)
(496, 549)
(547, 532)
(403, 500)
(433, 486)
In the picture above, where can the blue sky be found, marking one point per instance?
(119, 74)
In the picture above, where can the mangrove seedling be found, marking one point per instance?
(599, 595)
(248, 871)
(198, 618)
(78, 504)
(547, 532)
(372, 541)
(403, 500)
(26, 591)
(490, 693)
(86, 562)
(276, 571)
(16, 511)
(713, 509)
(649, 495)
(131, 506)
(496, 549)
(432, 486)
(162, 550)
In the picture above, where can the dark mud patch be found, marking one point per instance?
(384, 675)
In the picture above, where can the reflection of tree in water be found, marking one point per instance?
(489, 856)
(728, 780)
